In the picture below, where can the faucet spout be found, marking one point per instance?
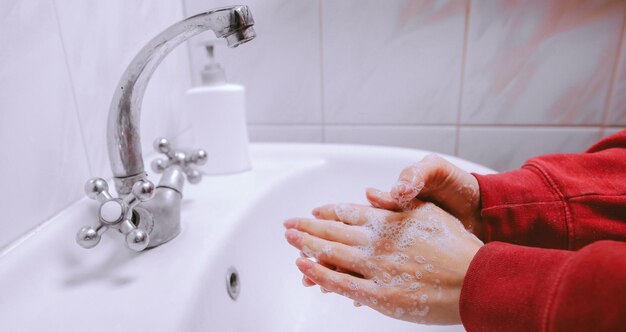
(235, 24)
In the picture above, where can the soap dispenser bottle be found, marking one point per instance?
(218, 116)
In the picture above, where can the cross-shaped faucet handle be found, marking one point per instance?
(177, 157)
(116, 213)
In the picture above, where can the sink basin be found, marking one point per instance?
(49, 283)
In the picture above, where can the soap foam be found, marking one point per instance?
(420, 259)
(328, 250)
(407, 277)
(415, 286)
(422, 311)
(347, 213)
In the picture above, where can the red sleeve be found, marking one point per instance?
(561, 201)
(516, 288)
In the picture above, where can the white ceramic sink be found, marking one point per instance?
(49, 283)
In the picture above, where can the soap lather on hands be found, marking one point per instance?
(407, 255)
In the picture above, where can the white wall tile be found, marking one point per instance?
(506, 148)
(288, 134)
(43, 161)
(540, 62)
(280, 67)
(100, 39)
(434, 138)
(392, 62)
(617, 108)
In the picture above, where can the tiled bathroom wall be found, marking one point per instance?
(494, 81)
(60, 62)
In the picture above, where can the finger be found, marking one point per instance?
(336, 254)
(358, 289)
(329, 230)
(381, 200)
(351, 214)
(307, 282)
(425, 174)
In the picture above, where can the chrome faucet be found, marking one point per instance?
(146, 215)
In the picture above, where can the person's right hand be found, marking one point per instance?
(436, 180)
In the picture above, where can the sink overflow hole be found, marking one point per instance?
(233, 283)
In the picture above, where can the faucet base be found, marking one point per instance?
(162, 221)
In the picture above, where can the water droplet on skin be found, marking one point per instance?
(399, 312)
(420, 259)
(423, 298)
(353, 286)
(357, 304)
(429, 268)
(373, 300)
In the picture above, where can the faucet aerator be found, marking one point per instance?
(240, 36)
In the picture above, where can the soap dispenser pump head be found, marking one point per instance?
(212, 74)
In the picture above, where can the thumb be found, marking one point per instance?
(421, 178)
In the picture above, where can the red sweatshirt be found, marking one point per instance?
(564, 269)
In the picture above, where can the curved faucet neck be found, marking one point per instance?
(123, 134)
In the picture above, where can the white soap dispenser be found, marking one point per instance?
(217, 112)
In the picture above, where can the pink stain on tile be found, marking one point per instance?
(540, 61)
(401, 64)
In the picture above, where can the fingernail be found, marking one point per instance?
(306, 282)
(304, 264)
(316, 212)
(290, 223)
(293, 236)
(374, 192)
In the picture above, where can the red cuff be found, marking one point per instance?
(516, 288)
(522, 207)
(509, 287)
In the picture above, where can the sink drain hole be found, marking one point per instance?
(233, 283)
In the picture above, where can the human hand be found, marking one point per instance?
(408, 265)
(436, 180)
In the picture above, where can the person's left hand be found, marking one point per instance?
(408, 265)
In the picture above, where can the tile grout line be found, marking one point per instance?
(74, 98)
(457, 142)
(434, 125)
(616, 68)
(322, 106)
